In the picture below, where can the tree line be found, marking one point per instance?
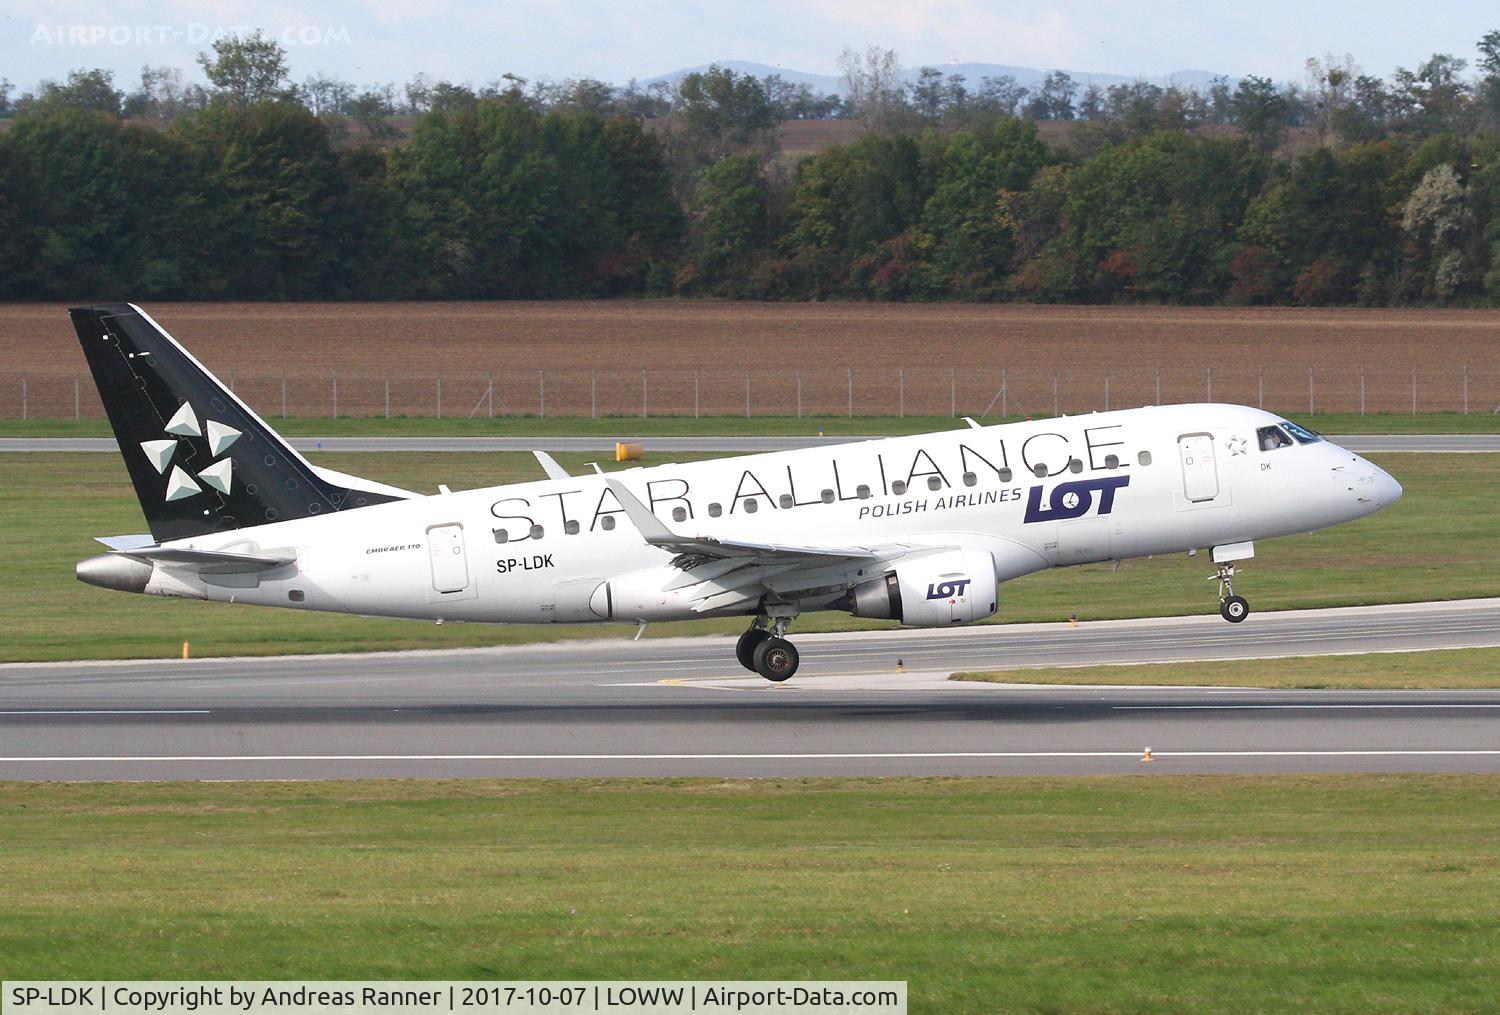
(261, 189)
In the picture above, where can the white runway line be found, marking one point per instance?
(937, 755)
(108, 711)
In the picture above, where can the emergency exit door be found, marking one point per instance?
(1200, 473)
(450, 564)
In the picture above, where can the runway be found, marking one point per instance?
(1358, 443)
(678, 707)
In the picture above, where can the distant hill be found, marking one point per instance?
(1029, 77)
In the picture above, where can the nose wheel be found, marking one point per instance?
(1232, 608)
(764, 650)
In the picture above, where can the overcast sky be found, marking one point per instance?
(368, 41)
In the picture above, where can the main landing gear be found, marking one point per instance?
(764, 649)
(1232, 608)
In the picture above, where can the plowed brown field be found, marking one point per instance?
(946, 353)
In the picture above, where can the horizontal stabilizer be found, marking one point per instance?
(214, 561)
(125, 542)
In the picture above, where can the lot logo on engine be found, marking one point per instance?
(1073, 500)
(948, 590)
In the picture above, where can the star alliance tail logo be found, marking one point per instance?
(1073, 500)
(184, 423)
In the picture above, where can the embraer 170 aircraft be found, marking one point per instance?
(921, 530)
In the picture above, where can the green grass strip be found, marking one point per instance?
(1330, 893)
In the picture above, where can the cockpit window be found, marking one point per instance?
(1302, 433)
(1272, 437)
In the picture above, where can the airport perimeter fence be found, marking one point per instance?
(808, 393)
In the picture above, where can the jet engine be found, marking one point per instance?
(934, 590)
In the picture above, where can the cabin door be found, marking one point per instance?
(450, 563)
(1200, 472)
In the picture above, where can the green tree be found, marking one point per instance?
(275, 216)
(847, 202)
(729, 220)
(646, 221)
(247, 69)
(1488, 92)
(1054, 100)
(20, 230)
(720, 112)
(971, 215)
(91, 90)
(1261, 112)
(1155, 218)
(1325, 222)
(106, 205)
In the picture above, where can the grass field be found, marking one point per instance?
(1135, 893)
(722, 426)
(1439, 542)
(1469, 667)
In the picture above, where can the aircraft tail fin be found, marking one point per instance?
(200, 459)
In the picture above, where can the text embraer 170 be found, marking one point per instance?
(921, 529)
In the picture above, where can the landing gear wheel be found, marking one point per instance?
(744, 651)
(1234, 609)
(776, 659)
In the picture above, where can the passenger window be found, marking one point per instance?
(898, 487)
(827, 496)
(1144, 458)
(1005, 475)
(786, 500)
(934, 483)
(715, 510)
(1039, 470)
(536, 532)
(862, 492)
(970, 479)
(751, 506)
(1272, 437)
(1111, 462)
(501, 536)
(607, 522)
(679, 514)
(1075, 465)
(571, 526)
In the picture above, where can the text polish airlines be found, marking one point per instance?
(919, 529)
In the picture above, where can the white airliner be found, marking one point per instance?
(921, 530)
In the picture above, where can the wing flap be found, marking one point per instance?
(655, 532)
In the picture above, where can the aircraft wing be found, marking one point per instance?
(655, 532)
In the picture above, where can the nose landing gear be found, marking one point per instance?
(1232, 608)
(763, 649)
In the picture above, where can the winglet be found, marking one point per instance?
(549, 466)
(640, 516)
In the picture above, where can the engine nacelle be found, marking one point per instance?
(936, 590)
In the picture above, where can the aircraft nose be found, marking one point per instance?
(1387, 489)
(1375, 488)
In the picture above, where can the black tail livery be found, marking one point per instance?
(200, 459)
